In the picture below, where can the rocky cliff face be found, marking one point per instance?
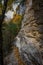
(31, 34)
(30, 38)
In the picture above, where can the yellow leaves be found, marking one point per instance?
(17, 19)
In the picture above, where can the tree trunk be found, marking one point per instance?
(1, 41)
(1, 38)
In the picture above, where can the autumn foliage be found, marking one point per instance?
(17, 19)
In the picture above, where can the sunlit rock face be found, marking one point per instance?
(29, 41)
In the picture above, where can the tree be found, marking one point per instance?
(1, 38)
